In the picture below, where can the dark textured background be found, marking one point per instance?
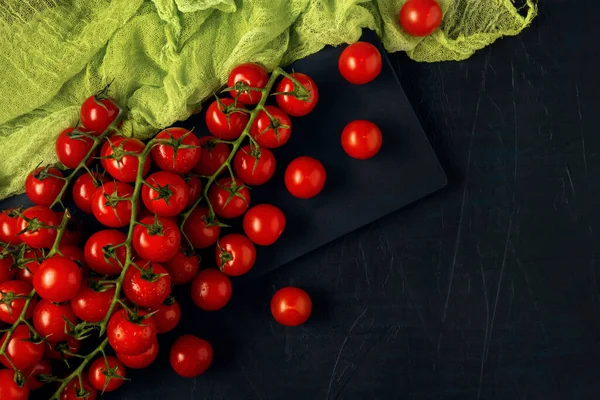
(486, 289)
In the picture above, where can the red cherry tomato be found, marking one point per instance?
(294, 106)
(229, 198)
(92, 302)
(235, 254)
(183, 267)
(361, 139)
(254, 166)
(123, 167)
(41, 368)
(43, 185)
(110, 204)
(201, 230)
(251, 74)
(224, 121)
(34, 227)
(167, 315)
(184, 159)
(28, 269)
(264, 224)
(57, 280)
(142, 360)
(158, 241)
(7, 272)
(99, 255)
(147, 284)
(420, 17)
(72, 253)
(10, 389)
(21, 350)
(97, 113)
(72, 148)
(8, 227)
(130, 334)
(360, 63)
(305, 177)
(107, 374)
(13, 295)
(74, 389)
(190, 356)
(213, 156)
(269, 133)
(62, 350)
(84, 188)
(291, 306)
(165, 194)
(211, 289)
(195, 189)
(73, 233)
(50, 320)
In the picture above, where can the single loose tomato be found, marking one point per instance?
(63, 350)
(305, 177)
(297, 103)
(156, 238)
(111, 205)
(214, 155)
(229, 198)
(107, 374)
(100, 254)
(254, 166)
(201, 230)
(43, 185)
(235, 254)
(360, 63)
(7, 272)
(13, 295)
(37, 227)
(167, 315)
(264, 224)
(142, 360)
(11, 388)
(98, 112)
(147, 284)
(361, 139)
(84, 188)
(244, 76)
(117, 160)
(194, 189)
(26, 272)
(271, 133)
(58, 279)
(183, 267)
(420, 17)
(92, 302)
(211, 289)
(190, 356)
(180, 154)
(165, 194)
(8, 227)
(291, 306)
(130, 334)
(50, 320)
(31, 374)
(225, 120)
(73, 147)
(22, 349)
(75, 391)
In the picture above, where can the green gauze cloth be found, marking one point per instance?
(165, 57)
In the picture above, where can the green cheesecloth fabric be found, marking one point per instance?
(165, 57)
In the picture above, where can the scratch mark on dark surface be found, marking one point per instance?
(364, 262)
(581, 128)
(514, 101)
(193, 388)
(249, 380)
(337, 360)
(570, 179)
(487, 322)
(533, 298)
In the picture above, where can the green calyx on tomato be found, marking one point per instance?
(147, 274)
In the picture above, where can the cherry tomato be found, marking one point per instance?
(360, 63)
(195, 189)
(74, 391)
(158, 240)
(130, 334)
(21, 350)
(43, 185)
(97, 113)
(92, 302)
(173, 156)
(50, 320)
(167, 315)
(305, 177)
(72, 148)
(229, 198)
(58, 279)
(73, 233)
(34, 227)
(10, 389)
(107, 374)
(30, 374)
(361, 139)
(201, 230)
(190, 356)
(252, 75)
(264, 224)
(235, 254)
(110, 205)
(72, 253)
(291, 306)
(183, 266)
(123, 167)
(7, 272)
(8, 227)
(213, 156)
(211, 289)
(269, 133)
(142, 360)
(420, 17)
(254, 166)
(297, 107)
(98, 253)
(165, 194)
(84, 188)
(224, 121)
(147, 284)
(62, 350)
(13, 295)
(26, 272)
